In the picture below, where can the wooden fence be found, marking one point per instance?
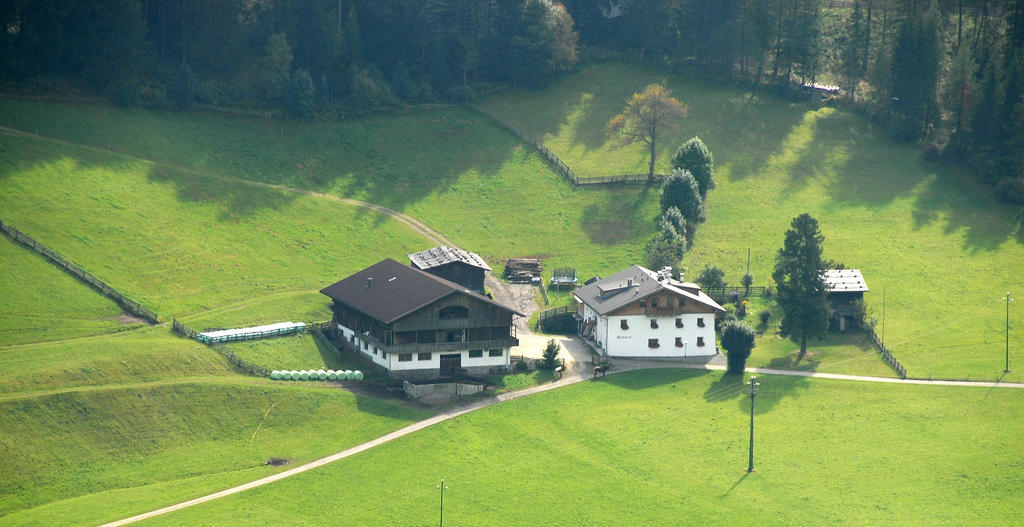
(558, 311)
(887, 355)
(126, 303)
(722, 292)
(238, 362)
(558, 164)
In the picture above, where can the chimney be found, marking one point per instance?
(369, 282)
(629, 282)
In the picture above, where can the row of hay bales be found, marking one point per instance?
(316, 375)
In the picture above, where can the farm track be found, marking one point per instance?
(573, 377)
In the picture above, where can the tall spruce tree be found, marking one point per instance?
(798, 278)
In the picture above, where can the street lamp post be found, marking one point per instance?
(442, 487)
(752, 390)
(1008, 299)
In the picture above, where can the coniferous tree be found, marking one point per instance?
(800, 285)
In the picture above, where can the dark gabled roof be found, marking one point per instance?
(388, 290)
(445, 255)
(844, 281)
(633, 283)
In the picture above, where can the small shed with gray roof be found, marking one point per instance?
(844, 288)
(453, 264)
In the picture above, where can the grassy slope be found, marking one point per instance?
(180, 243)
(146, 355)
(73, 444)
(51, 304)
(451, 168)
(299, 352)
(933, 239)
(649, 448)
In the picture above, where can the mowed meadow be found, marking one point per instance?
(928, 238)
(226, 221)
(669, 447)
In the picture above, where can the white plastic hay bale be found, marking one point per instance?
(321, 374)
(275, 375)
(348, 375)
(332, 375)
(303, 375)
(293, 375)
(357, 375)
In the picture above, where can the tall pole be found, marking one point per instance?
(883, 317)
(442, 487)
(1008, 300)
(752, 391)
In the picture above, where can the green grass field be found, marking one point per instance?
(41, 314)
(297, 352)
(181, 243)
(928, 237)
(666, 447)
(88, 447)
(162, 206)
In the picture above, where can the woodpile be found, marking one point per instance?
(523, 269)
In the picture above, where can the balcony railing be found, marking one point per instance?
(443, 346)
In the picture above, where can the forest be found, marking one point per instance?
(946, 74)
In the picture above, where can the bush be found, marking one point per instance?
(738, 341)
(550, 360)
(765, 316)
(695, 157)
(522, 366)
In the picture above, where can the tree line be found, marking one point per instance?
(946, 73)
(329, 56)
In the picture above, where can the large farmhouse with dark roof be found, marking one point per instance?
(639, 313)
(415, 325)
(456, 265)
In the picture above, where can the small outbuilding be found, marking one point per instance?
(845, 289)
(453, 264)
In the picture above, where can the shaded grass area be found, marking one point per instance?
(207, 434)
(145, 355)
(652, 447)
(850, 352)
(451, 168)
(51, 305)
(923, 233)
(297, 352)
(176, 241)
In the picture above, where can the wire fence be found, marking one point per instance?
(126, 303)
(559, 165)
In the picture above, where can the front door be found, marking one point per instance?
(451, 364)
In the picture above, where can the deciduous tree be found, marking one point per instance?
(644, 116)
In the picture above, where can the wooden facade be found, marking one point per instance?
(461, 273)
(436, 326)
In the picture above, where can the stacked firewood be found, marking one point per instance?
(523, 269)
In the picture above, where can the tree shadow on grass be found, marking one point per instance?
(614, 221)
(649, 378)
(730, 387)
(970, 207)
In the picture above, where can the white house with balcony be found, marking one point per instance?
(637, 312)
